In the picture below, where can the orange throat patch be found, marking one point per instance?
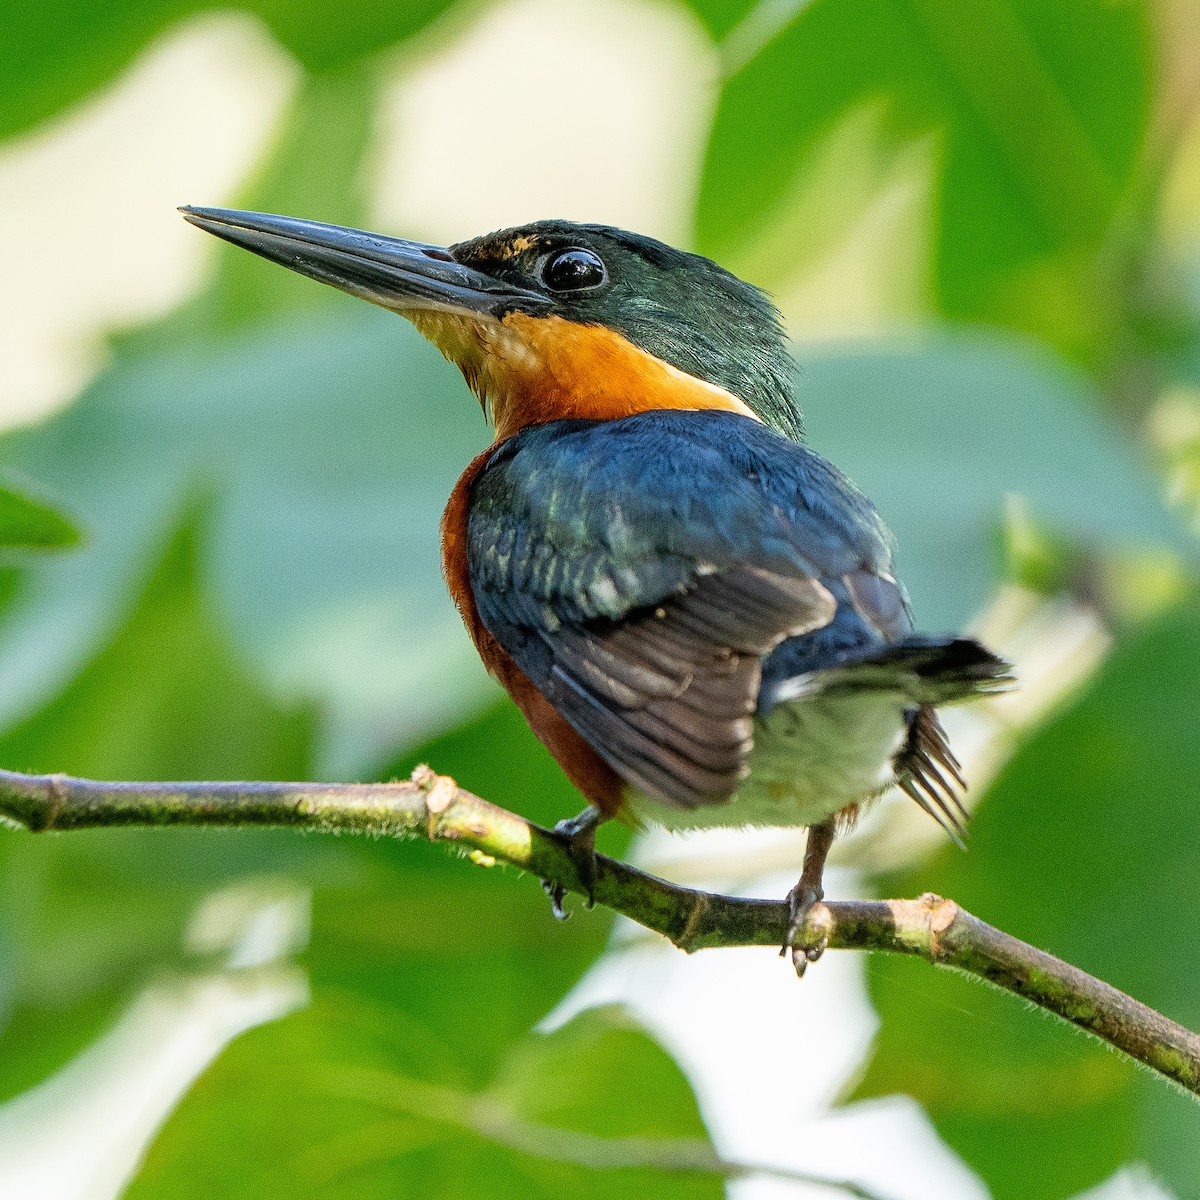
(530, 370)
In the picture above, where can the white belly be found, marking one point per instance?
(812, 757)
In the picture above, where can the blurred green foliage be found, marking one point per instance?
(254, 592)
(1038, 114)
(53, 55)
(447, 1133)
(1084, 848)
(30, 524)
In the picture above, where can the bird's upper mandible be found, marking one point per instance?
(556, 319)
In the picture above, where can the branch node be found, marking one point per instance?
(439, 791)
(424, 776)
(698, 908)
(943, 914)
(441, 795)
(57, 794)
(940, 916)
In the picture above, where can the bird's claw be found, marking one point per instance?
(578, 835)
(801, 901)
(556, 893)
(805, 896)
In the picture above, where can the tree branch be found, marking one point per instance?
(433, 807)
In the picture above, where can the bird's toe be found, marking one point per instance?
(578, 836)
(803, 950)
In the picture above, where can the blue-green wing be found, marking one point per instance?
(639, 571)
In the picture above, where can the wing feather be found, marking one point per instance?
(641, 600)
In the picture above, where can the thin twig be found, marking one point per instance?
(433, 807)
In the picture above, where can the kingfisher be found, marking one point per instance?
(697, 614)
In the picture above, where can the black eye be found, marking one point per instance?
(573, 271)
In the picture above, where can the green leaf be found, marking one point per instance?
(334, 1105)
(571, 1077)
(1033, 157)
(604, 1077)
(938, 431)
(402, 929)
(30, 524)
(1082, 848)
(328, 446)
(84, 918)
(164, 699)
(324, 38)
(720, 17)
(51, 55)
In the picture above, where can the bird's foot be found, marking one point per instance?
(579, 839)
(802, 899)
(805, 896)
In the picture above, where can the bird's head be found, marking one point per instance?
(555, 319)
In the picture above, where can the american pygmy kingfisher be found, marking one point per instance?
(698, 615)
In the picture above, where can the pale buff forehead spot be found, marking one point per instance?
(518, 245)
(496, 248)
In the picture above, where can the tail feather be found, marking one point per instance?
(922, 766)
(944, 670)
(928, 670)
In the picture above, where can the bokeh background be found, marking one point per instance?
(981, 219)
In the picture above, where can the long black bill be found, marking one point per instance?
(397, 274)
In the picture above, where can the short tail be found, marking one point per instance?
(932, 671)
(942, 670)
